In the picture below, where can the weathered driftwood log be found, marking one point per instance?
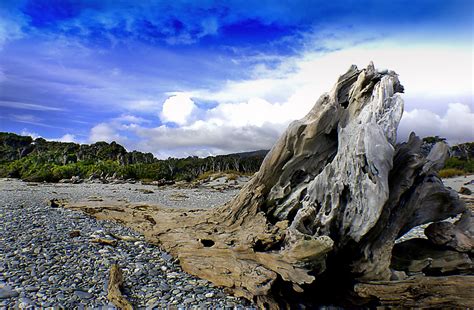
(431, 292)
(324, 211)
(114, 294)
(421, 255)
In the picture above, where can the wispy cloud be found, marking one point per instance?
(30, 119)
(28, 106)
(128, 118)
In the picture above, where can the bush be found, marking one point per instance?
(467, 166)
(450, 172)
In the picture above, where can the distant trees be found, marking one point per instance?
(42, 160)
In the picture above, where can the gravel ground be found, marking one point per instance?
(42, 266)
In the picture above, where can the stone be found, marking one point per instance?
(25, 303)
(465, 191)
(74, 233)
(31, 288)
(7, 292)
(82, 294)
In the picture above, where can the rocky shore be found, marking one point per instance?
(47, 257)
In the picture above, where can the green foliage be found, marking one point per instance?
(460, 164)
(42, 160)
(433, 140)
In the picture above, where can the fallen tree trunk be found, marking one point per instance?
(324, 210)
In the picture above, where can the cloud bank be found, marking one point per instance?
(250, 114)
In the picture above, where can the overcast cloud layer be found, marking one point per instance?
(179, 79)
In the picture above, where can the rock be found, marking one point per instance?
(74, 233)
(24, 303)
(144, 191)
(76, 180)
(7, 292)
(31, 288)
(83, 294)
(178, 197)
(465, 191)
(398, 275)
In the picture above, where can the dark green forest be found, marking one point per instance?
(41, 160)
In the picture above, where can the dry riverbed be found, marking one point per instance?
(47, 257)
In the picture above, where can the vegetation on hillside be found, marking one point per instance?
(40, 160)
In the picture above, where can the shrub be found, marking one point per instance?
(450, 172)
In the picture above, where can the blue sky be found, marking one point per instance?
(180, 78)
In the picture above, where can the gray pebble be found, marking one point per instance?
(7, 292)
(83, 295)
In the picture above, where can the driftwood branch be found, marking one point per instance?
(104, 241)
(113, 290)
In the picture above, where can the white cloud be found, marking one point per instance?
(251, 114)
(178, 109)
(26, 132)
(205, 139)
(456, 125)
(67, 138)
(105, 132)
(426, 71)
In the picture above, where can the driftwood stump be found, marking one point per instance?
(114, 293)
(324, 211)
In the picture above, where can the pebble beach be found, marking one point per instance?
(47, 258)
